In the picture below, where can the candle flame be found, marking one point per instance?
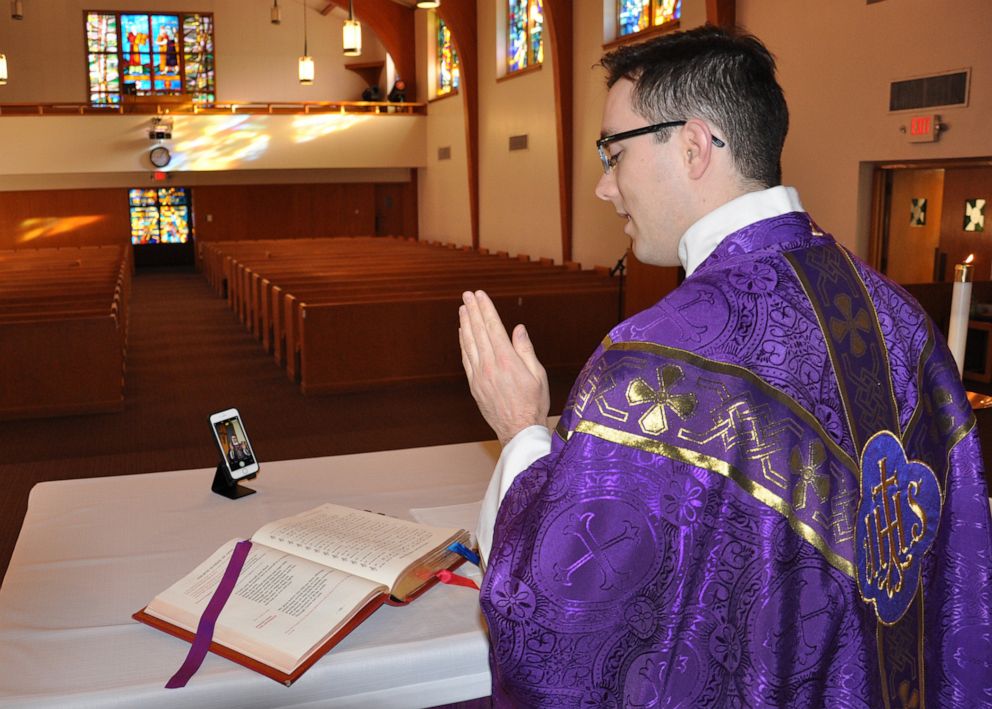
(971, 257)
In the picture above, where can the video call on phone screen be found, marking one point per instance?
(234, 444)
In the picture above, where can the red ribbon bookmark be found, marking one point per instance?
(445, 576)
(205, 629)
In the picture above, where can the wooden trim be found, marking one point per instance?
(520, 72)
(461, 19)
(935, 163)
(876, 233)
(637, 37)
(234, 107)
(722, 13)
(443, 96)
(559, 21)
(369, 71)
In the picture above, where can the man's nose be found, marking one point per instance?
(606, 186)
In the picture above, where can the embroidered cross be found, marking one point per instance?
(808, 472)
(793, 636)
(654, 420)
(595, 550)
(677, 315)
(850, 323)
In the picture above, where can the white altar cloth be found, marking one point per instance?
(94, 551)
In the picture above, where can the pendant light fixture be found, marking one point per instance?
(275, 15)
(428, 4)
(306, 61)
(3, 69)
(352, 34)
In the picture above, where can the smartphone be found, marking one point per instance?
(229, 432)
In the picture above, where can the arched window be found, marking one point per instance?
(448, 69)
(637, 15)
(144, 54)
(524, 34)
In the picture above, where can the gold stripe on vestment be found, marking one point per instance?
(753, 381)
(720, 467)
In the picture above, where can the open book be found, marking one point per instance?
(307, 582)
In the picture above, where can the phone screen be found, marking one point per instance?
(234, 446)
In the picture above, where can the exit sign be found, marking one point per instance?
(924, 129)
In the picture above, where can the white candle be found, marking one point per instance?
(957, 333)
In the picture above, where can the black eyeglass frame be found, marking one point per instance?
(609, 161)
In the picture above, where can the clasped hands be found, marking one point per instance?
(505, 377)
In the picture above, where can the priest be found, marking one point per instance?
(764, 490)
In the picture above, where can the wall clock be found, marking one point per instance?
(160, 156)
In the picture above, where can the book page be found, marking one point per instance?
(364, 543)
(282, 609)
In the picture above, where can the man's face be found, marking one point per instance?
(646, 186)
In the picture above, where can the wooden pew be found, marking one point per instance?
(364, 344)
(360, 312)
(63, 330)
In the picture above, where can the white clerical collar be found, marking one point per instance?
(705, 235)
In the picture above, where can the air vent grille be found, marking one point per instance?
(929, 91)
(444, 153)
(518, 142)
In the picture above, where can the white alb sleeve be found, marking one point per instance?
(523, 449)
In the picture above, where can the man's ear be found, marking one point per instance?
(698, 146)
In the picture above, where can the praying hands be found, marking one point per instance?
(505, 377)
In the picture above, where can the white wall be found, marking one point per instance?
(444, 195)
(518, 201)
(207, 143)
(836, 61)
(443, 204)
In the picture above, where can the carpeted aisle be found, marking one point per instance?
(187, 357)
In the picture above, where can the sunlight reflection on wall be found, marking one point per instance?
(311, 127)
(221, 145)
(44, 227)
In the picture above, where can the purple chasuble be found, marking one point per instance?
(765, 490)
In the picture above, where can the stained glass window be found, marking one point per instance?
(524, 34)
(159, 216)
(448, 68)
(144, 54)
(101, 44)
(636, 15)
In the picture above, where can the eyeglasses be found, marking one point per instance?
(610, 161)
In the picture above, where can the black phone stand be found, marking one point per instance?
(227, 486)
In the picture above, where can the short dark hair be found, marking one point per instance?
(725, 77)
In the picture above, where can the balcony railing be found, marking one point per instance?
(188, 107)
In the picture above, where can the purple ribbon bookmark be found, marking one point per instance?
(205, 629)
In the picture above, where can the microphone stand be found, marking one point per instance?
(619, 269)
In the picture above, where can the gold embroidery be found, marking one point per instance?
(746, 426)
(714, 465)
(753, 382)
(842, 515)
(654, 420)
(886, 543)
(850, 324)
(916, 531)
(920, 395)
(881, 340)
(583, 396)
(955, 438)
(809, 477)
